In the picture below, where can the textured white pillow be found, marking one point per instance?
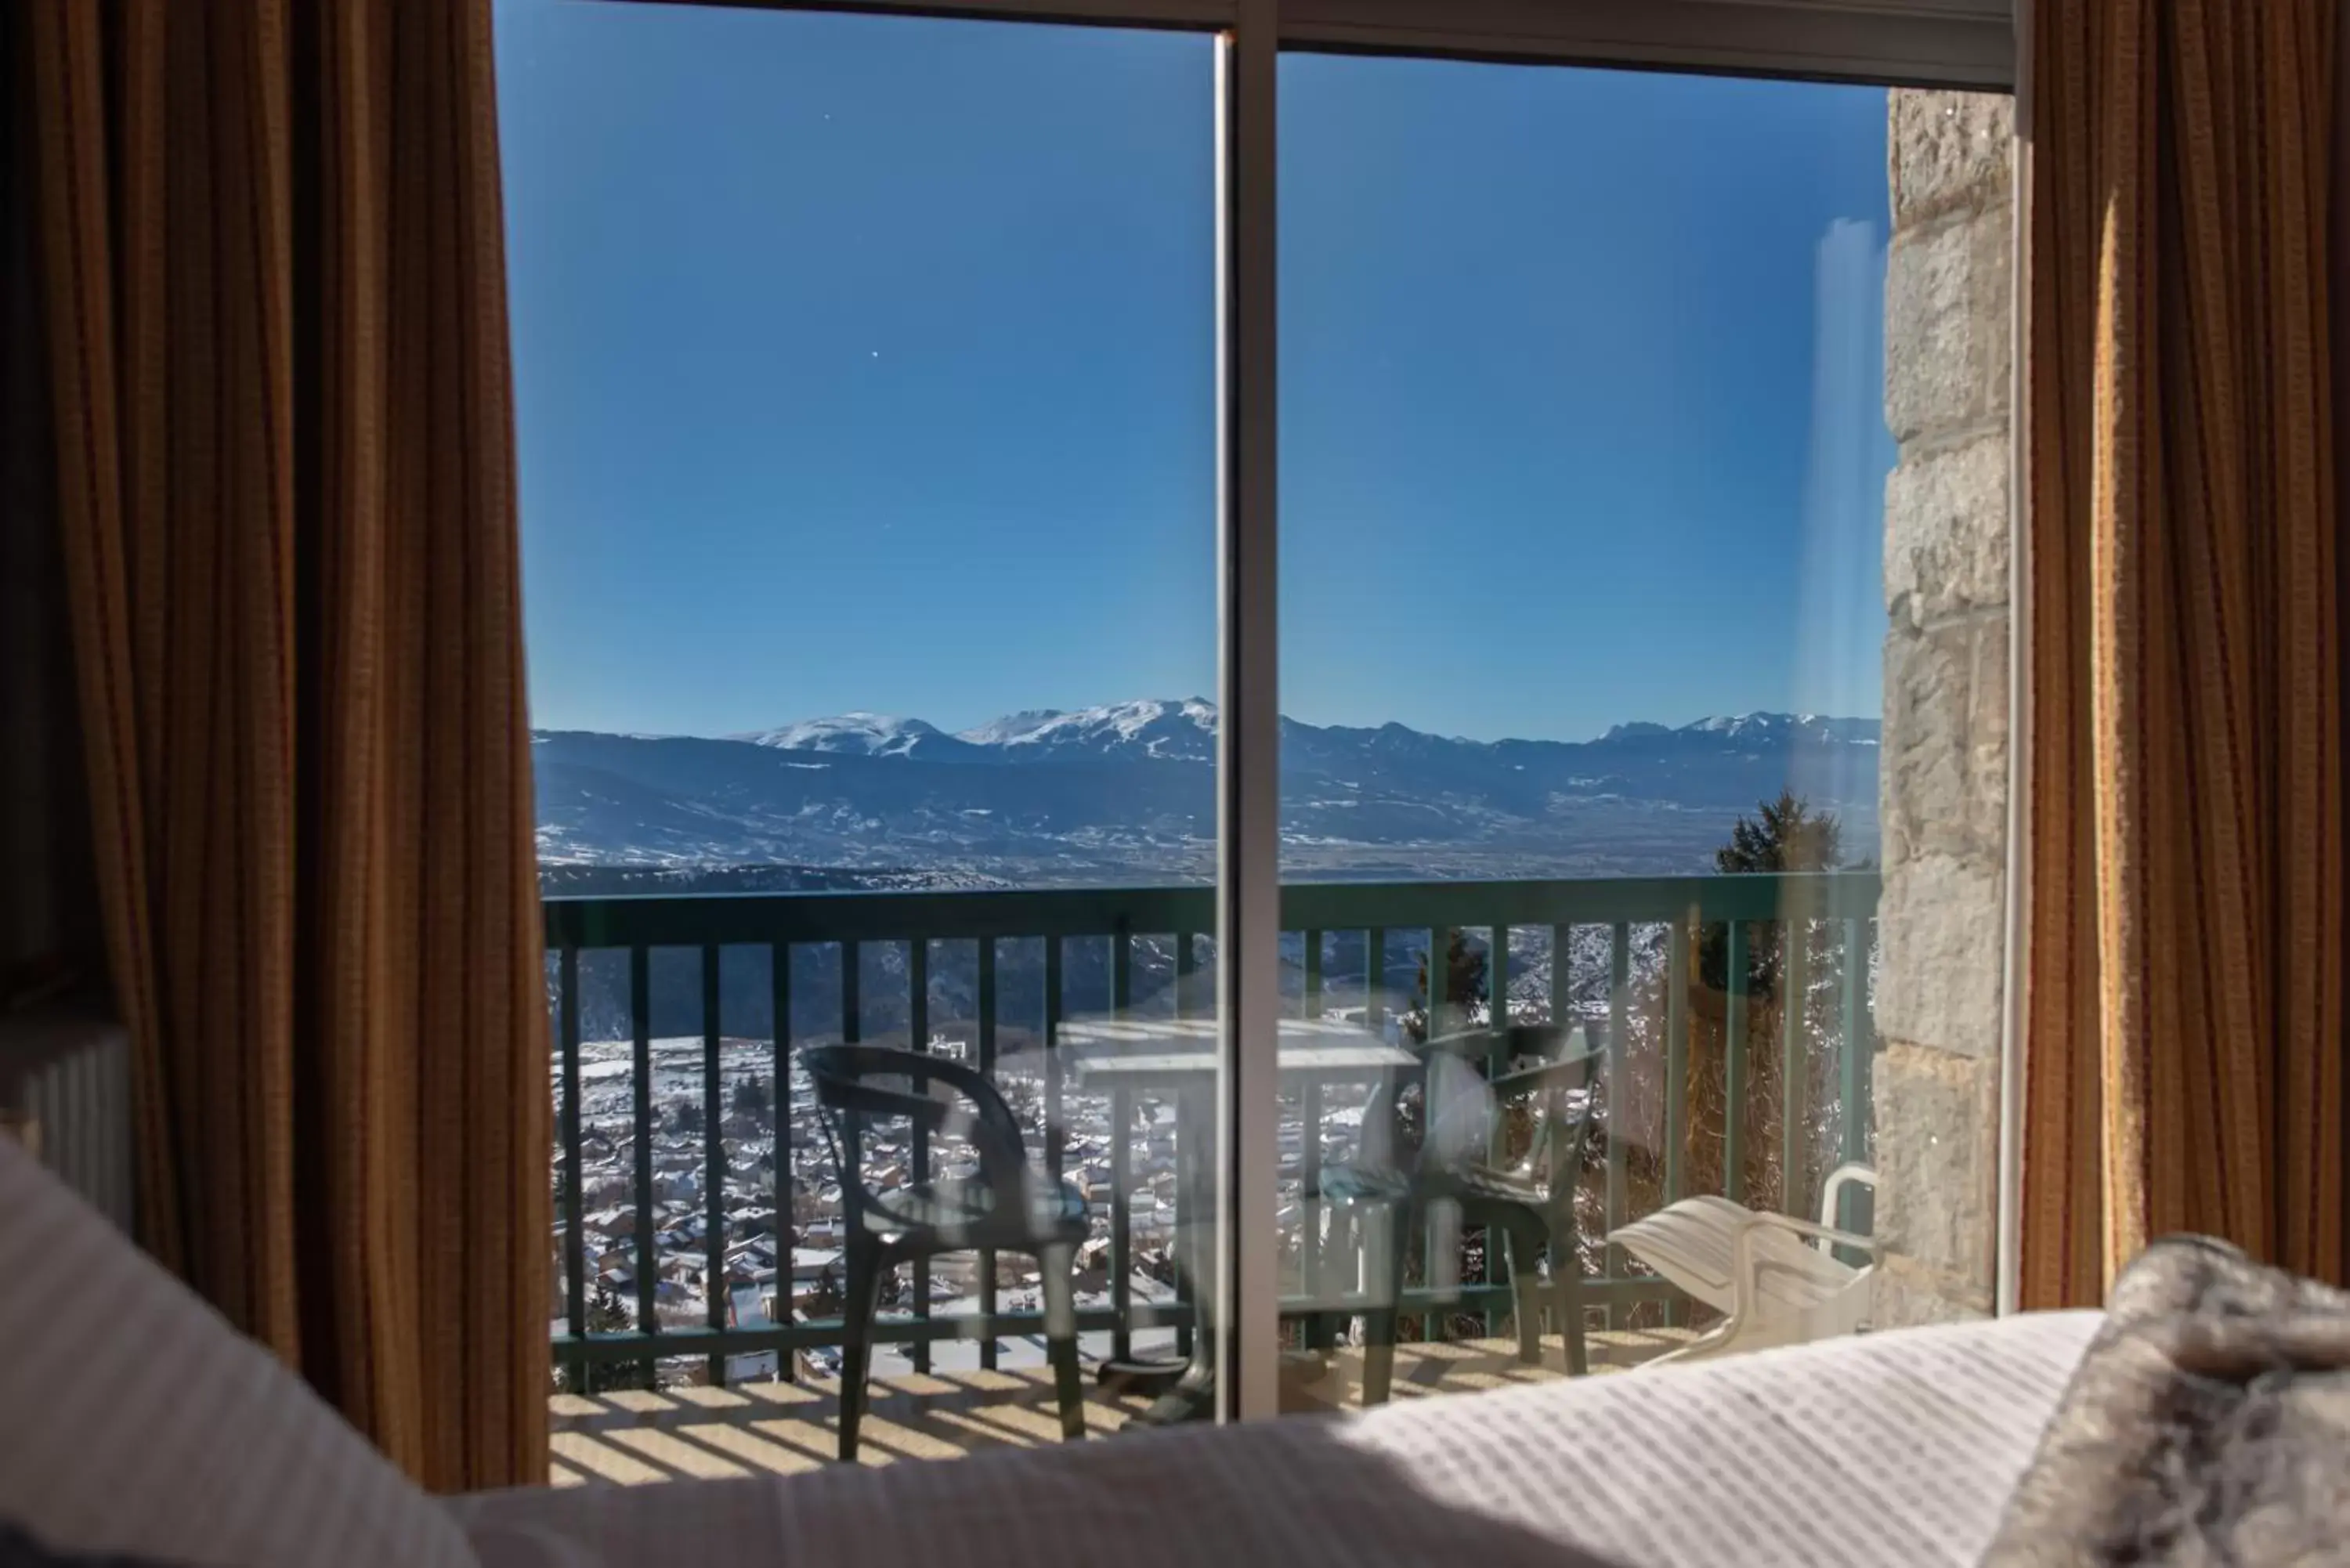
(133, 1418)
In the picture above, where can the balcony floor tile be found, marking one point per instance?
(630, 1437)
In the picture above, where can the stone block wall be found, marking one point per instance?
(1947, 355)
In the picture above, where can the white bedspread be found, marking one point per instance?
(1890, 1448)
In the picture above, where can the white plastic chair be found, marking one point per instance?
(1756, 1268)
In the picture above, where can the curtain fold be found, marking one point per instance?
(2183, 1050)
(272, 257)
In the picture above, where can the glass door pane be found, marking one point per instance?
(866, 395)
(1592, 697)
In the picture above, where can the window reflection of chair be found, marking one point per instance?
(1527, 1207)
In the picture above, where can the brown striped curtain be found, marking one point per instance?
(272, 265)
(2183, 1046)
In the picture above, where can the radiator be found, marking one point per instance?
(64, 1092)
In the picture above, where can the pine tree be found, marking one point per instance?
(1783, 834)
(606, 1316)
(685, 1115)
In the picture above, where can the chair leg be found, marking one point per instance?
(1323, 1328)
(1057, 1267)
(1525, 1286)
(1566, 1288)
(863, 1301)
(1348, 1257)
(1380, 1325)
(1379, 1355)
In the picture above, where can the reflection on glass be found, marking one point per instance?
(1584, 599)
(864, 369)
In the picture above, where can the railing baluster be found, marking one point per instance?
(1497, 1004)
(1734, 1046)
(1619, 998)
(575, 1242)
(1187, 964)
(1795, 1049)
(1320, 1328)
(1676, 1041)
(917, 1036)
(1562, 1009)
(718, 1291)
(1374, 979)
(1677, 1046)
(1440, 980)
(785, 1189)
(852, 995)
(640, 1020)
(1561, 983)
(1310, 1001)
(1855, 1204)
(1055, 1118)
(852, 1131)
(1437, 1023)
(987, 1354)
(1121, 1159)
(1497, 1060)
(1497, 1145)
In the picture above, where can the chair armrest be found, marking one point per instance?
(1469, 1046)
(1807, 1229)
(1744, 1278)
(1510, 1039)
(1842, 1176)
(1544, 1073)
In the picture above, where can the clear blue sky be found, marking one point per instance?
(868, 363)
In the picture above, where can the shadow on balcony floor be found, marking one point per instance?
(778, 1428)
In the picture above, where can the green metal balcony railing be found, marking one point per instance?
(1729, 914)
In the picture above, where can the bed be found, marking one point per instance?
(132, 1420)
(1882, 1449)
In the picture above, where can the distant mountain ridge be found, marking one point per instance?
(1126, 791)
(860, 735)
(1185, 730)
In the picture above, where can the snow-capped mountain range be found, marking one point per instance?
(1167, 731)
(1125, 791)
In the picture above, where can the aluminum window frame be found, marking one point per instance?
(1889, 43)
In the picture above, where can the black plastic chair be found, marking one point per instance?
(1009, 1208)
(1529, 1206)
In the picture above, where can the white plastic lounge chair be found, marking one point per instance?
(1775, 1279)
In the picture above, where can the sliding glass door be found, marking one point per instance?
(868, 387)
(1583, 548)
(1227, 729)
